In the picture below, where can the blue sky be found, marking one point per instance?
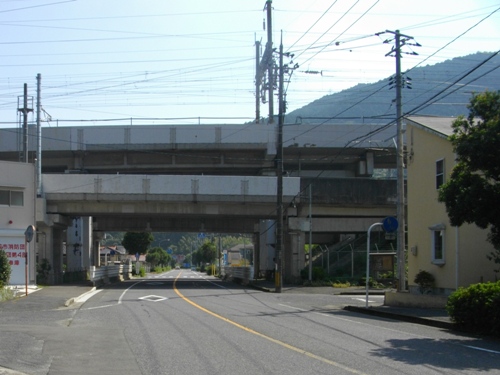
(184, 62)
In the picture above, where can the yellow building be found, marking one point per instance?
(455, 256)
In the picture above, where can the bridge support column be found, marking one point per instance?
(44, 245)
(58, 238)
(50, 246)
(266, 249)
(96, 248)
(79, 244)
(294, 256)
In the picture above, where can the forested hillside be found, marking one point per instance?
(443, 89)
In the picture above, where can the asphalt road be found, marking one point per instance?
(183, 322)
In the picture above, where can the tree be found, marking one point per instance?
(185, 244)
(5, 269)
(157, 256)
(137, 242)
(207, 252)
(472, 194)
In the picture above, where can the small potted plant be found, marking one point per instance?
(425, 281)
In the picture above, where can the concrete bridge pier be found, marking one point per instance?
(294, 256)
(50, 240)
(79, 244)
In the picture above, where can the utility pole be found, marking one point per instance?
(400, 40)
(258, 80)
(38, 136)
(310, 234)
(25, 110)
(279, 167)
(270, 62)
(266, 65)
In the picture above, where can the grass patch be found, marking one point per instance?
(6, 294)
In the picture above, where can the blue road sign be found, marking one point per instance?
(390, 224)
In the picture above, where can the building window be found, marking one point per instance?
(437, 244)
(439, 173)
(11, 198)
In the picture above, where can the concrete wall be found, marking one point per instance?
(296, 135)
(118, 186)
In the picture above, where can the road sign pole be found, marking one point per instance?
(368, 259)
(390, 224)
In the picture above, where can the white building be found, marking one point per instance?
(17, 213)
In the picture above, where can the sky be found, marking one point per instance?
(122, 62)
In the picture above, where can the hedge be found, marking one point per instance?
(476, 308)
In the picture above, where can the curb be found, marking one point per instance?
(401, 317)
(73, 299)
(6, 371)
(261, 288)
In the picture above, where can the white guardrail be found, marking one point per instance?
(245, 274)
(113, 272)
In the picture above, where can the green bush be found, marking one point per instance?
(142, 272)
(210, 270)
(425, 281)
(161, 269)
(371, 282)
(341, 284)
(318, 273)
(43, 271)
(6, 294)
(476, 308)
(5, 269)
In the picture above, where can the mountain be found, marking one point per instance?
(442, 89)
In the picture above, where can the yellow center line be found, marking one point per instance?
(281, 343)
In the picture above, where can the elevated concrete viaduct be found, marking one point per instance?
(209, 178)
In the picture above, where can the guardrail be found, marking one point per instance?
(106, 274)
(240, 274)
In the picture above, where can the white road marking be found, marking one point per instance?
(482, 349)
(363, 300)
(153, 298)
(86, 296)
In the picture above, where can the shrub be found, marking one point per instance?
(476, 308)
(340, 284)
(210, 270)
(425, 281)
(318, 273)
(43, 271)
(142, 272)
(5, 269)
(6, 294)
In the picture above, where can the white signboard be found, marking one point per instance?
(16, 254)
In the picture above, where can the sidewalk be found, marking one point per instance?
(432, 317)
(45, 298)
